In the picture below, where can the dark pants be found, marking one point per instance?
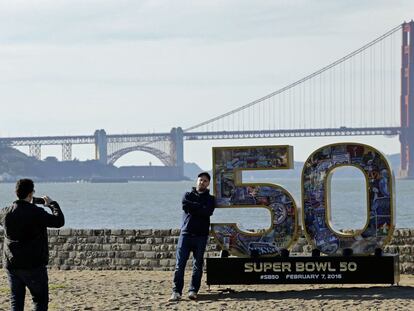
(187, 244)
(36, 280)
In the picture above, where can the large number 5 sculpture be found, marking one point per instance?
(231, 192)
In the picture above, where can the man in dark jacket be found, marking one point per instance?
(198, 206)
(25, 250)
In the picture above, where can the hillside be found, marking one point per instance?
(15, 164)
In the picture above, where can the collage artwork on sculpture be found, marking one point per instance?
(232, 192)
(316, 176)
(228, 163)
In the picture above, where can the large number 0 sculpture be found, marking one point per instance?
(316, 176)
(231, 192)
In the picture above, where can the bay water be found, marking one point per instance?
(157, 205)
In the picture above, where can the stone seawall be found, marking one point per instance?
(153, 249)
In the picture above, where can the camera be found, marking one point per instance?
(38, 201)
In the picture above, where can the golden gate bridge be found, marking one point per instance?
(367, 92)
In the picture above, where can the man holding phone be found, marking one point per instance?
(26, 251)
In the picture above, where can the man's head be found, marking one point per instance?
(24, 189)
(203, 181)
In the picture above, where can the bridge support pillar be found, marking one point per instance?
(101, 146)
(35, 151)
(67, 152)
(177, 150)
(407, 101)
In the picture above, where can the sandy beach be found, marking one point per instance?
(150, 290)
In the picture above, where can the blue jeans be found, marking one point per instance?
(187, 244)
(36, 280)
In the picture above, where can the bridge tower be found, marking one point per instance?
(35, 151)
(407, 101)
(67, 152)
(101, 146)
(177, 149)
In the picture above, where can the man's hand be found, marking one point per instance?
(48, 200)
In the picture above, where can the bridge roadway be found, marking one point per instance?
(214, 135)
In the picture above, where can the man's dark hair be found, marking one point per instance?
(205, 174)
(24, 187)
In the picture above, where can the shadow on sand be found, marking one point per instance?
(366, 293)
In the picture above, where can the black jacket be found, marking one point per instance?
(197, 207)
(25, 233)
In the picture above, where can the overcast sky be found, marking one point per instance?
(70, 67)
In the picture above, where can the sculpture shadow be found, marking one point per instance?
(338, 293)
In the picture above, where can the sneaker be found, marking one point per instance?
(192, 295)
(175, 297)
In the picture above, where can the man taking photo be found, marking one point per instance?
(25, 250)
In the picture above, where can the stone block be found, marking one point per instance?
(158, 240)
(150, 255)
(150, 241)
(112, 240)
(145, 262)
(139, 255)
(98, 232)
(61, 239)
(117, 232)
(144, 233)
(130, 232)
(101, 262)
(122, 262)
(50, 232)
(169, 240)
(146, 247)
(166, 263)
(125, 247)
(73, 254)
(136, 247)
(130, 239)
(161, 248)
(165, 232)
(69, 262)
(88, 247)
(91, 239)
(67, 247)
(65, 232)
(120, 239)
(56, 261)
(72, 240)
(125, 255)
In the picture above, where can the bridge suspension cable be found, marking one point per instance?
(340, 94)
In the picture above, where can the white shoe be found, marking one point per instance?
(175, 297)
(192, 295)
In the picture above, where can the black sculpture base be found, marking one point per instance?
(304, 270)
